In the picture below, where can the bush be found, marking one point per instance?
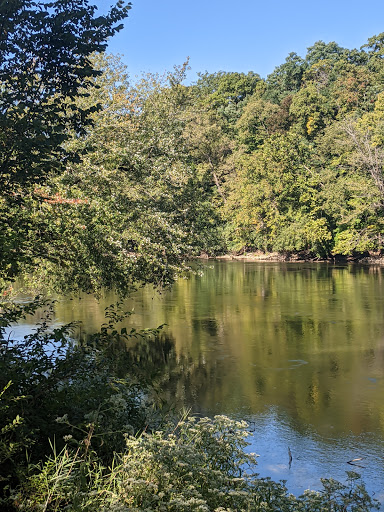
(53, 391)
(197, 465)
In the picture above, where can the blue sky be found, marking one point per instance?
(241, 35)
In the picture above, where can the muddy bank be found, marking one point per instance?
(371, 259)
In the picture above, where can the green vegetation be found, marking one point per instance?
(195, 465)
(104, 183)
(305, 171)
(107, 183)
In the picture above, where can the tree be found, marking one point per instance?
(273, 202)
(375, 52)
(285, 79)
(217, 101)
(310, 111)
(261, 119)
(348, 167)
(133, 210)
(224, 87)
(324, 51)
(354, 89)
(208, 146)
(225, 93)
(45, 65)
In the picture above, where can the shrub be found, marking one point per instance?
(53, 391)
(197, 465)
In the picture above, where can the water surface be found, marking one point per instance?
(296, 349)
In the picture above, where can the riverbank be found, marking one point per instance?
(371, 259)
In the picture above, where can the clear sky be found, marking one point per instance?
(238, 35)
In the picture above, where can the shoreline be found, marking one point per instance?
(276, 257)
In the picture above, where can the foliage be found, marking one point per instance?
(305, 169)
(219, 90)
(165, 174)
(133, 211)
(45, 65)
(286, 78)
(196, 464)
(273, 206)
(55, 391)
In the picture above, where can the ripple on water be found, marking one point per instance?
(313, 456)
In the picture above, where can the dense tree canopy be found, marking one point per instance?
(45, 50)
(95, 189)
(110, 183)
(44, 63)
(304, 172)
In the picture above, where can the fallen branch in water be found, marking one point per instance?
(353, 461)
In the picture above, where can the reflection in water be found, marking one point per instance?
(312, 455)
(296, 348)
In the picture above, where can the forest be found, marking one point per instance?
(125, 182)
(109, 183)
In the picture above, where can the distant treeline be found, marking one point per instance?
(295, 161)
(292, 163)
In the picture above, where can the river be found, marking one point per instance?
(296, 349)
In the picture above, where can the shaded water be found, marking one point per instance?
(295, 349)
